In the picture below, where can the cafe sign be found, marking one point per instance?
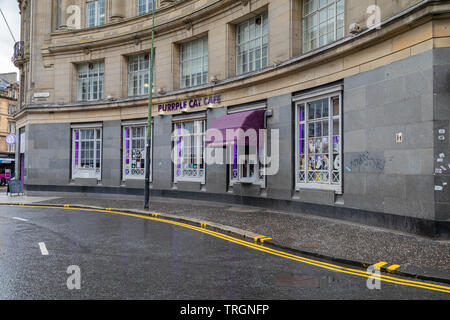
(190, 104)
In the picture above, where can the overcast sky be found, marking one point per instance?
(10, 9)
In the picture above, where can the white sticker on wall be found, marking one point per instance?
(442, 155)
(438, 188)
(438, 171)
(441, 138)
(440, 160)
(441, 131)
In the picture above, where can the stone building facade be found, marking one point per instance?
(356, 90)
(9, 93)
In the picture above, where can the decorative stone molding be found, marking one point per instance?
(188, 24)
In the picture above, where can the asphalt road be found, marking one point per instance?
(124, 257)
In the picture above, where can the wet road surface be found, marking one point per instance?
(124, 257)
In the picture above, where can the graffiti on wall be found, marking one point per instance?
(366, 161)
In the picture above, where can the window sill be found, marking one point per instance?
(310, 186)
(201, 181)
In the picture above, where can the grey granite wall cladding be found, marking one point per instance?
(281, 184)
(162, 148)
(216, 174)
(381, 174)
(111, 160)
(47, 157)
(441, 129)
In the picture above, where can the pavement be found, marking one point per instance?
(335, 240)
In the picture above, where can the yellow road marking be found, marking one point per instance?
(204, 224)
(324, 265)
(393, 267)
(264, 239)
(256, 239)
(380, 264)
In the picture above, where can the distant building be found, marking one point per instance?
(9, 93)
(357, 89)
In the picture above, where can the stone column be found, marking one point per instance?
(117, 9)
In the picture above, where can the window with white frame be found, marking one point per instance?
(189, 150)
(252, 44)
(145, 6)
(194, 63)
(11, 127)
(246, 164)
(139, 75)
(134, 151)
(95, 13)
(319, 142)
(323, 22)
(91, 81)
(11, 109)
(11, 148)
(87, 153)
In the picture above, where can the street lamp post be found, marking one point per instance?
(149, 124)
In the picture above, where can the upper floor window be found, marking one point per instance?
(95, 13)
(145, 6)
(252, 44)
(139, 75)
(58, 22)
(11, 127)
(11, 109)
(91, 81)
(323, 22)
(194, 63)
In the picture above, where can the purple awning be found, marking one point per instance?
(242, 127)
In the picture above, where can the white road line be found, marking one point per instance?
(43, 249)
(20, 219)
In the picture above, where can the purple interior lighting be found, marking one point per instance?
(179, 150)
(127, 146)
(235, 161)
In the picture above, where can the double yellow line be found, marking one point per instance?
(255, 246)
